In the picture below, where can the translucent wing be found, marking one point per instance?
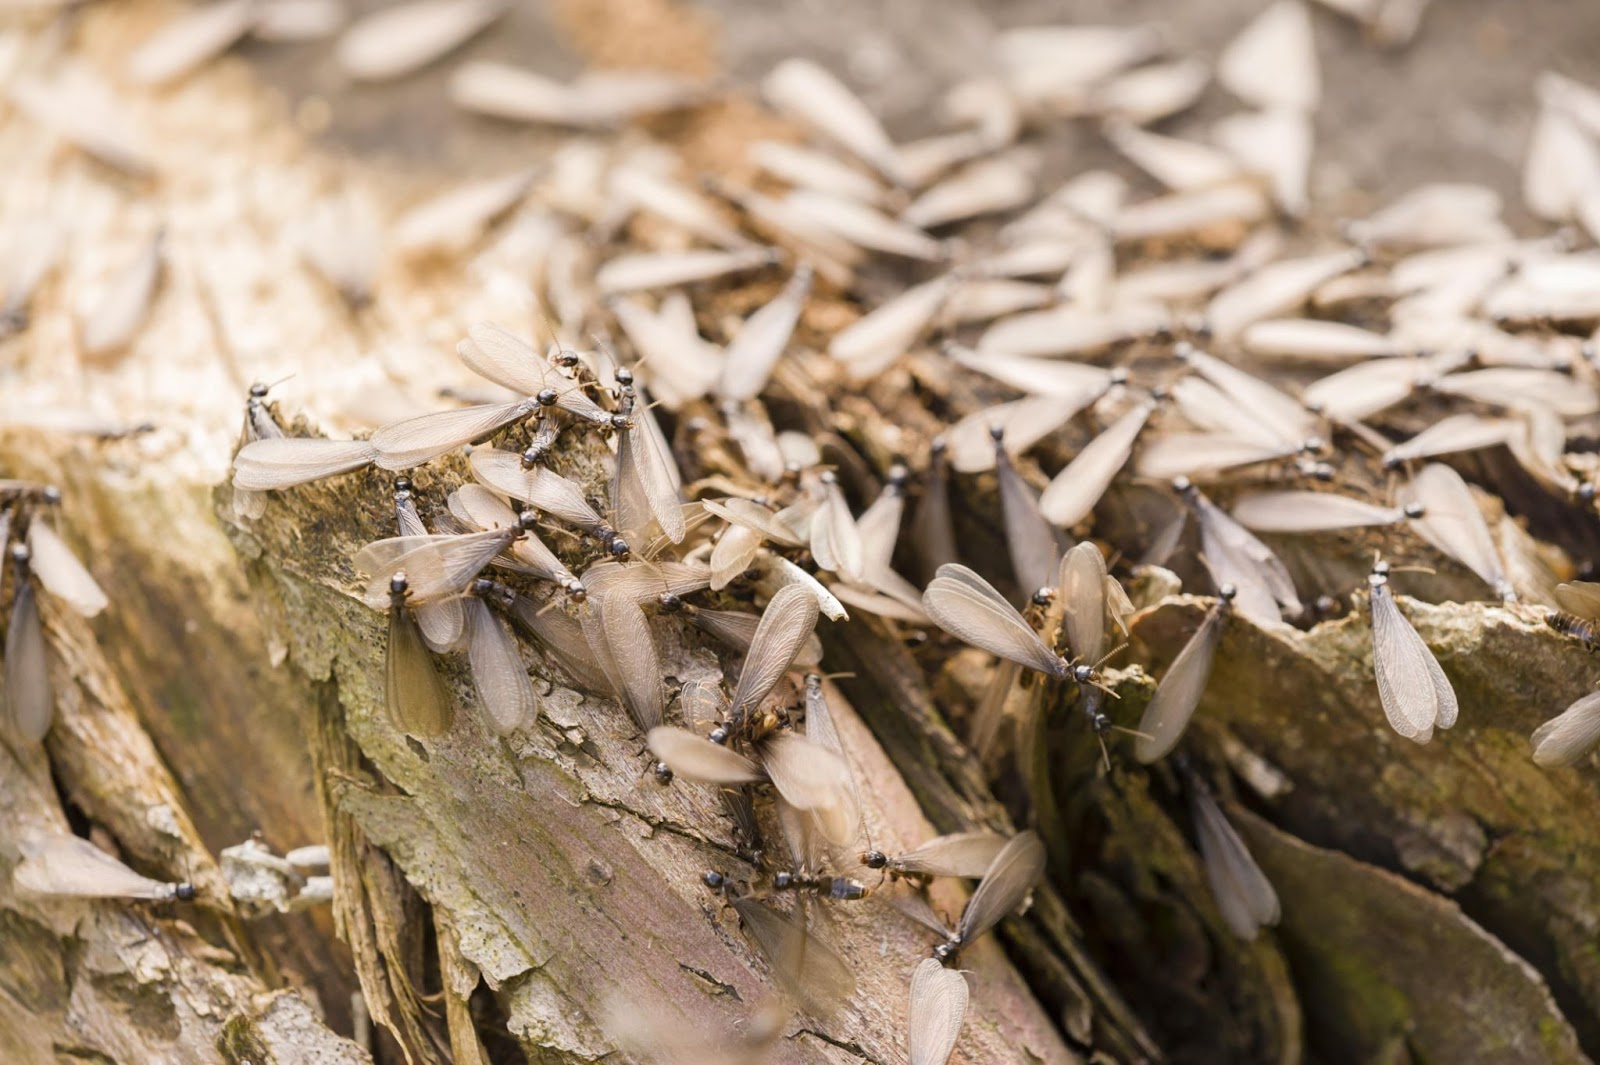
(1301, 511)
(1194, 454)
(497, 671)
(807, 968)
(563, 638)
(29, 702)
(59, 570)
(1579, 597)
(785, 625)
(1016, 869)
(283, 462)
(435, 567)
(879, 526)
(642, 478)
(1083, 591)
(806, 774)
(1457, 433)
(646, 580)
(938, 1007)
(752, 515)
(1179, 693)
(1400, 661)
(494, 354)
(1024, 422)
(413, 441)
(967, 854)
(732, 554)
(695, 758)
(1074, 492)
(633, 649)
(1452, 522)
(780, 572)
(761, 341)
(1035, 550)
(932, 532)
(1242, 891)
(967, 606)
(1570, 735)
(417, 700)
(396, 40)
(57, 865)
(189, 40)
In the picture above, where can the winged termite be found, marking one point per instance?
(700, 760)
(1024, 422)
(1242, 891)
(1073, 493)
(937, 1008)
(1579, 616)
(808, 168)
(554, 631)
(810, 94)
(879, 524)
(1414, 691)
(1435, 215)
(61, 865)
(1570, 735)
(1006, 883)
(778, 572)
(1178, 695)
(59, 571)
(650, 270)
(596, 99)
(436, 567)
(785, 627)
(932, 532)
(964, 854)
(642, 491)
(1053, 377)
(1073, 328)
(449, 223)
(200, 34)
(986, 186)
(29, 703)
(1273, 62)
(643, 580)
(983, 299)
(396, 41)
(73, 103)
(681, 362)
(1303, 511)
(807, 968)
(1177, 164)
(762, 339)
(966, 606)
(479, 508)
(672, 202)
(1186, 212)
(1450, 520)
(1233, 556)
(551, 493)
(1034, 546)
(869, 344)
(1151, 93)
(837, 888)
(497, 671)
(813, 780)
(496, 355)
(417, 700)
(835, 540)
(1516, 386)
(114, 320)
(735, 628)
(295, 21)
(863, 225)
(619, 637)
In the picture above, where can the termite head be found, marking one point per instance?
(527, 519)
(997, 433)
(715, 881)
(938, 446)
(946, 951)
(184, 892)
(782, 881)
(1227, 592)
(669, 603)
(258, 391)
(575, 590)
(50, 495)
(1379, 575)
(399, 587)
(617, 546)
(1183, 486)
(875, 859)
(813, 683)
(1415, 510)
(719, 736)
(1043, 595)
(402, 486)
(1183, 351)
(1085, 673)
(663, 773)
(621, 422)
(899, 474)
(547, 397)
(533, 456)
(566, 358)
(624, 376)
(1119, 375)
(1586, 491)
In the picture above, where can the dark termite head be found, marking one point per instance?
(875, 859)
(663, 773)
(1415, 510)
(945, 952)
(1183, 486)
(1227, 592)
(50, 495)
(1043, 596)
(669, 603)
(533, 456)
(1586, 492)
(783, 881)
(997, 433)
(616, 545)
(575, 590)
(566, 358)
(621, 423)
(527, 519)
(899, 474)
(184, 892)
(719, 736)
(547, 397)
(402, 485)
(716, 881)
(1085, 674)
(938, 446)
(399, 588)
(1119, 375)
(258, 391)
(813, 683)
(1312, 444)
(1379, 575)
(624, 376)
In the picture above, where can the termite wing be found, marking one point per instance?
(1414, 691)
(1006, 883)
(259, 424)
(551, 493)
(61, 864)
(1233, 555)
(963, 854)
(1570, 735)
(1242, 891)
(937, 1008)
(1173, 705)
